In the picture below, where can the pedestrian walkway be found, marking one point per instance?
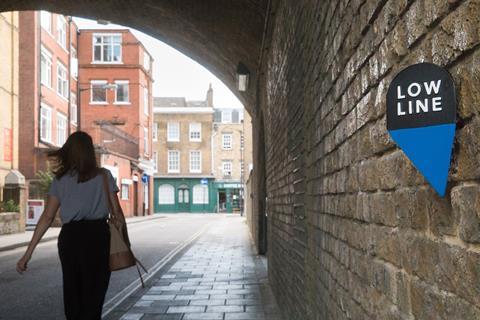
(219, 277)
(21, 239)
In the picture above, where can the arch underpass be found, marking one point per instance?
(354, 230)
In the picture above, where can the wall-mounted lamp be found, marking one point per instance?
(243, 75)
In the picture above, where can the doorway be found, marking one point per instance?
(222, 201)
(183, 198)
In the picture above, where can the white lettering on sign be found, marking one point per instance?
(419, 105)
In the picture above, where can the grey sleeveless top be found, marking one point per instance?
(82, 201)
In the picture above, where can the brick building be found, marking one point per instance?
(183, 153)
(232, 160)
(48, 85)
(115, 99)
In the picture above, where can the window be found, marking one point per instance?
(235, 116)
(146, 61)
(166, 194)
(73, 62)
(173, 161)
(146, 100)
(73, 52)
(62, 80)
(45, 123)
(200, 194)
(98, 92)
(61, 129)
(122, 92)
(173, 131)
(226, 116)
(227, 168)
(196, 132)
(217, 116)
(125, 192)
(46, 21)
(145, 140)
(107, 48)
(227, 141)
(46, 67)
(73, 108)
(155, 160)
(155, 131)
(195, 161)
(62, 31)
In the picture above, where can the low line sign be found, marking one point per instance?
(421, 111)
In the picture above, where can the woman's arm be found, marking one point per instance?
(43, 224)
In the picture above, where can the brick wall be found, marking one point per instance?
(355, 232)
(184, 146)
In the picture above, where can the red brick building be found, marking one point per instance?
(47, 88)
(115, 99)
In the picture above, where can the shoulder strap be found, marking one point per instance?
(107, 191)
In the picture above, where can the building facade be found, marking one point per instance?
(47, 87)
(115, 99)
(183, 153)
(232, 149)
(10, 222)
(203, 156)
(8, 95)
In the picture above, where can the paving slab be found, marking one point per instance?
(219, 278)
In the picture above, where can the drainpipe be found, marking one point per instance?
(212, 145)
(79, 92)
(69, 116)
(39, 76)
(12, 88)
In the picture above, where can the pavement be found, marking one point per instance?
(218, 277)
(17, 240)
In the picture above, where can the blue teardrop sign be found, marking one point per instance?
(421, 111)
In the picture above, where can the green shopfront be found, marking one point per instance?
(228, 196)
(176, 195)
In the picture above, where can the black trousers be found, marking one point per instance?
(84, 249)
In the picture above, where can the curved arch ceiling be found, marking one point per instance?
(216, 33)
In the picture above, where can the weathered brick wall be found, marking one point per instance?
(355, 232)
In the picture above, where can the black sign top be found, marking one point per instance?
(421, 95)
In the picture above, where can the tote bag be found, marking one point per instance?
(121, 255)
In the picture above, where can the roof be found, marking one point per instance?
(169, 102)
(179, 105)
(197, 103)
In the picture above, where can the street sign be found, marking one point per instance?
(421, 110)
(144, 178)
(204, 181)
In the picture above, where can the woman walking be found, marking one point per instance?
(84, 240)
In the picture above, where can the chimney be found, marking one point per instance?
(210, 96)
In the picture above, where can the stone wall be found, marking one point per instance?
(10, 223)
(355, 232)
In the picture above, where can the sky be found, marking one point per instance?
(175, 74)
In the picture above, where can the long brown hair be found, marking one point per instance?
(76, 155)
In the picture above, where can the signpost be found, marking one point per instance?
(421, 110)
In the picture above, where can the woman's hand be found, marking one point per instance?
(22, 263)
